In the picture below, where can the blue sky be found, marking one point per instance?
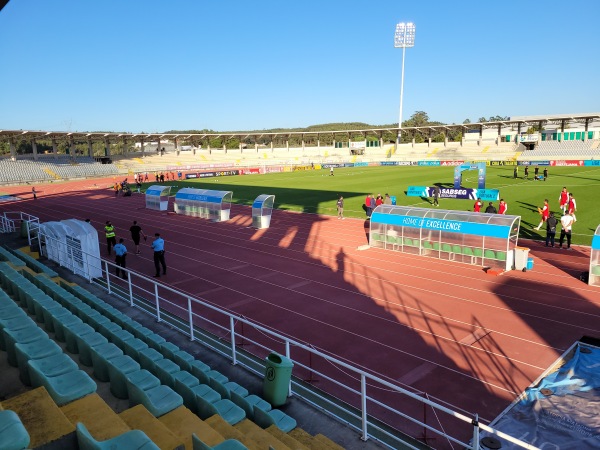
(149, 65)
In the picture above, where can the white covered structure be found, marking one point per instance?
(73, 244)
(157, 197)
(262, 210)
(204, 203)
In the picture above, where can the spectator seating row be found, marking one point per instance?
(41, 361)
(30, 262)
(450, 251)
(206, 391)
(13, 435)
(28, 170)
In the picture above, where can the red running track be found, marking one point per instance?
(448, 329)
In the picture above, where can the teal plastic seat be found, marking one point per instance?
(205, 377)
(159, 400)
(229, 444)
(152, 339)
(189, 395)
(143, 379)
(133, 347)
(39, 349)
(14, 323)
(229, 411)
(165, 370)
(199, 366)
(249, 402)
(63, 388)
(225, 389)
(119, 337)
(142, 333)
(168, 350)
(21, 336)
(54, 365)
(62, 322)
(86, 343)
(281, 420)
(118, 368)
(148, 356)
(13, 435)
(100, 356)
(131, 440)
(183, 359)
(73, 330)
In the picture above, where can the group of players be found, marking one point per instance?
(568, 206)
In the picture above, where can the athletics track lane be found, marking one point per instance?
(449, 329)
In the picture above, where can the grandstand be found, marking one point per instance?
(75, 370)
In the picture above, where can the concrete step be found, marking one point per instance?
(327, 443)
(100, 420)
(139, 418)
(314, 442)
(229, 432)
(182, 423)
(42, 418)
(286, 438)
(262, 437)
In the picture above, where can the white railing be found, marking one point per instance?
(8, 224)
(193, 316)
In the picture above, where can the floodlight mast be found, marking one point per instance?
(404, 38)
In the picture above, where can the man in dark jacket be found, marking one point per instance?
(491, 209)
(551, 229)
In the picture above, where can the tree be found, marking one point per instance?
(466, 121)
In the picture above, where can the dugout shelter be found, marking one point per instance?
(594, 275)
(483, 239)
(204, 203)
(262, 210)
(157, 197)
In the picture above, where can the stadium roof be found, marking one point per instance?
(592, 119)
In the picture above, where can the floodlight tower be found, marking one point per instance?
(404, 38)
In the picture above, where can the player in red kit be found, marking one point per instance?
(502, 207)
(563, 199)
(477, 206)
(545, 212)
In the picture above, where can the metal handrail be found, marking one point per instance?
(188, 318)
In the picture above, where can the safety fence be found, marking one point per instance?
(377, 407)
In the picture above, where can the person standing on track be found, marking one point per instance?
(436, 195)
(340, 207)
(551, 229)
(111, 237)
(158, 245)
(566, 223)
(34, 193)
(121, 254)
(137, 232)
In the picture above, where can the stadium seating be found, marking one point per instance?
(13, 435)
(132, 440)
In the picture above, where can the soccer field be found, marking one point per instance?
(314, 191)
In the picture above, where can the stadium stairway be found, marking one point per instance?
(52, 421)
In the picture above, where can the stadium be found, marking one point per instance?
(399, 333)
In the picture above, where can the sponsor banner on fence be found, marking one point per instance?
(568, 162)
(334, 165)
(452, 163)
(405, 163)
(221, 173)
(533, 163)
(453, 226)
(200, 166)
(250, 171)
(390, 163)
(591, 163)
(460, 193)
(299, 168)
(428, 163)
(273, 169)
(502, 163)
(361, 164)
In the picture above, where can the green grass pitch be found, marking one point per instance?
(314, 191)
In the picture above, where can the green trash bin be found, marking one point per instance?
(278, 373)
(24, 228)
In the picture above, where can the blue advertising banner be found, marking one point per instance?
(196, 197)
(153, 192)
(596, 242)
(389, 163)
(361, 164)
(428, 163)
(452, 226)
(533, 163)
(591, 163)
(461, 193)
